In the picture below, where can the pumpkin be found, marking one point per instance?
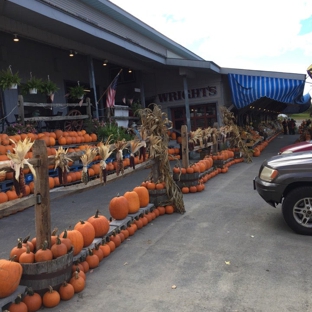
(85, 266)
(133, 201)
(143, 195)
(77, 265)
(111, 245)
(150, 185)
(116, 239)
(81, 273)
(27, 242)
(132, 228)
(32, 300)
(76, 239)
(66, 291)
(17, 250)
(58, 249)
(43, 254)
(51, 298)
(185, 190)
(119, 207)
(77, 282)
(139, 223)
(144, 220)
(161, 210)
(92, 259)
(10, 276)
(87, 230)
(27, 256)
(98, 252)
(100, 224)
(169, 209)
(105, 249)
(65, 240)
(18, 305)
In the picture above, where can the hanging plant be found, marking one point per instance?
(77, 92)
(48, 87)
(32, 85)
(9, 80)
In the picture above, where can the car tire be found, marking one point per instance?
(297, 210)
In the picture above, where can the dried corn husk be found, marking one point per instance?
(61, 164)
(86, 159)
(105, 151)
(119, 146)
(18, 162)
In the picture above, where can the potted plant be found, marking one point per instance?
(9, 80)
(77, 92)
(33, 85)
(48, 87)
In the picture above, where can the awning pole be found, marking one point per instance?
(187, 104)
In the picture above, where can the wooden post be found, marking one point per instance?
(184, 146)
(88, 101)
(21, 112)
(42, 194)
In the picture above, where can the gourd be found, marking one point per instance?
(143, 195)
(10, 276)
(100, 224)
(119, 207)
(87, 230)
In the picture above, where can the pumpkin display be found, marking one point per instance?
(100, 224)
(87, 230)
(51, 298)
(32, 300)
(76, 239)
(143, 195)
(133, 201)
(43, 254)
(10, 276)
(119, 207)
(77, 282)
(66, 291)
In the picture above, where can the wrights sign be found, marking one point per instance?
(192, 94)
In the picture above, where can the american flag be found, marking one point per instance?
(110, 96)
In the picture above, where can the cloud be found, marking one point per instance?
(237, 34)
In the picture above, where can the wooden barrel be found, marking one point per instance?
(157, 197)
(187, 179)
(41, 275)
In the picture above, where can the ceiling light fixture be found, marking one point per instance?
(71, 53)
(130, 71)
(15, 39)
(105, 62)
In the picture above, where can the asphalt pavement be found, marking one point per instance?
(230, 251)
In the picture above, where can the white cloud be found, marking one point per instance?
(239, 34)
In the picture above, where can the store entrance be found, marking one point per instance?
(202, 116)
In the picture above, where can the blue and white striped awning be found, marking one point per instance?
(248, 89)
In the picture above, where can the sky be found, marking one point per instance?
(269, 35)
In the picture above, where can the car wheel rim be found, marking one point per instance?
(302, 212)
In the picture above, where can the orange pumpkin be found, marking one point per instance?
(32, 300)
(66, 291)
(87, 230)
(77, 282)
(169, 209)
(51, 298)
(43, 254)
(119, 207)
(143, 195)
(100, 224)
(133, 201)
(76, 239)
(10, 276)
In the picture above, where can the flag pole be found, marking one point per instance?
(109, 86)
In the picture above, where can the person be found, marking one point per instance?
(289, 123)
(292, 126)
(284, 123)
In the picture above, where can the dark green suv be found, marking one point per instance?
(287, 179)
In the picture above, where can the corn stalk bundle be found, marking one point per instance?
(120, 146)
(61, 164)
(135, 146)
(156, 125)
(86, 159)
(105, 151)
(236, 140)
(18, 162)
(143, 138)
(195, 139)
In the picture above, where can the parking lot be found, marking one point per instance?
(230, 251)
